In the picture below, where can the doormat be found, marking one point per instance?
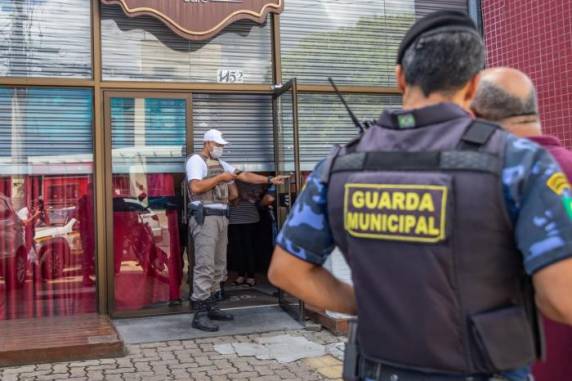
(178, 327)
(247, 297)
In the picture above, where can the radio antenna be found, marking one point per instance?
(353, 116)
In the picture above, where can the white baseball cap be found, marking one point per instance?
(214, 136)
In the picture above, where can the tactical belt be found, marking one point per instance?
(217, 212)
(211, 212)
(374, 371)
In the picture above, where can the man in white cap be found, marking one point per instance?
(209, 179)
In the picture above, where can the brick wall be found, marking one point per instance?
(535, 36)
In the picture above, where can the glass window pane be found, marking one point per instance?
(47, 233)
(285, 133)
(150, 131)
(48, 38)
(145, 49)
(354, 43)
(148, 158)
(245, 120)
(324, 121)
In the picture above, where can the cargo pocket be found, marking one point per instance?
(504, 337)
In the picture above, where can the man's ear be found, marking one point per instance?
(400, 76)
(472, 88)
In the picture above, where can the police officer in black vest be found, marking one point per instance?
(449, 225)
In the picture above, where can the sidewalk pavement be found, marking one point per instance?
(190, 360)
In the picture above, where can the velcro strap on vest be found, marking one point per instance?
(418, 161)
(477, 135)
(329, 163)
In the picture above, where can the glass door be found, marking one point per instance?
(147, 134)
(287, 158)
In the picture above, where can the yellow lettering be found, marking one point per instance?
(392, 223)
(375, 222)
(412, 201)
(391, 212)
(358, 199)
(421, 226)
(385, 201)
(427, 203)
(398, 201)
(384, 222)
(402, 223)
(364, 221)
(409, 223)
(352, 221)
(371, 199)
(432, 229)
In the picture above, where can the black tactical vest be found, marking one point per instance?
(420, 216)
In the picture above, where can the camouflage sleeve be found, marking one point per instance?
(306, 233)
(539, 200)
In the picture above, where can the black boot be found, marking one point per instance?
(201, 319)
(219, 296)
(215, 313)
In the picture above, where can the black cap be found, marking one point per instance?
(455, 20)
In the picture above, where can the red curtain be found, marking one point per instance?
(47, 264)
(147, 249)
(6, 186)
(47, 267)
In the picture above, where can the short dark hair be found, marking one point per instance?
(443, 61)
(494, 103)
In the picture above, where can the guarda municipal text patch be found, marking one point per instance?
(396, 212)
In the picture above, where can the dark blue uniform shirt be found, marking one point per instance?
(538, 202)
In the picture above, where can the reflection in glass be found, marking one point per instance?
(354, 42)
(45, 38)
(148, 139)
(324, 121)
(245, 120)
(47, 250)
(145, 49)
(285, 133)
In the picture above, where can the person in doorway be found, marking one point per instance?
(243, 221)
(266, 207)
(508, 96)
(268, 229)
(208, 180)
(445, 222)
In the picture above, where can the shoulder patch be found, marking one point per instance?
(558, 183)
(406, 121)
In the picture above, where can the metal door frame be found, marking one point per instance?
(290, 87)
(109, 234)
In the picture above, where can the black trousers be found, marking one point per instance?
(242, 246)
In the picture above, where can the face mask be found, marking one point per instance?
(217, 152)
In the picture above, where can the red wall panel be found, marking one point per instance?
(536, 37)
